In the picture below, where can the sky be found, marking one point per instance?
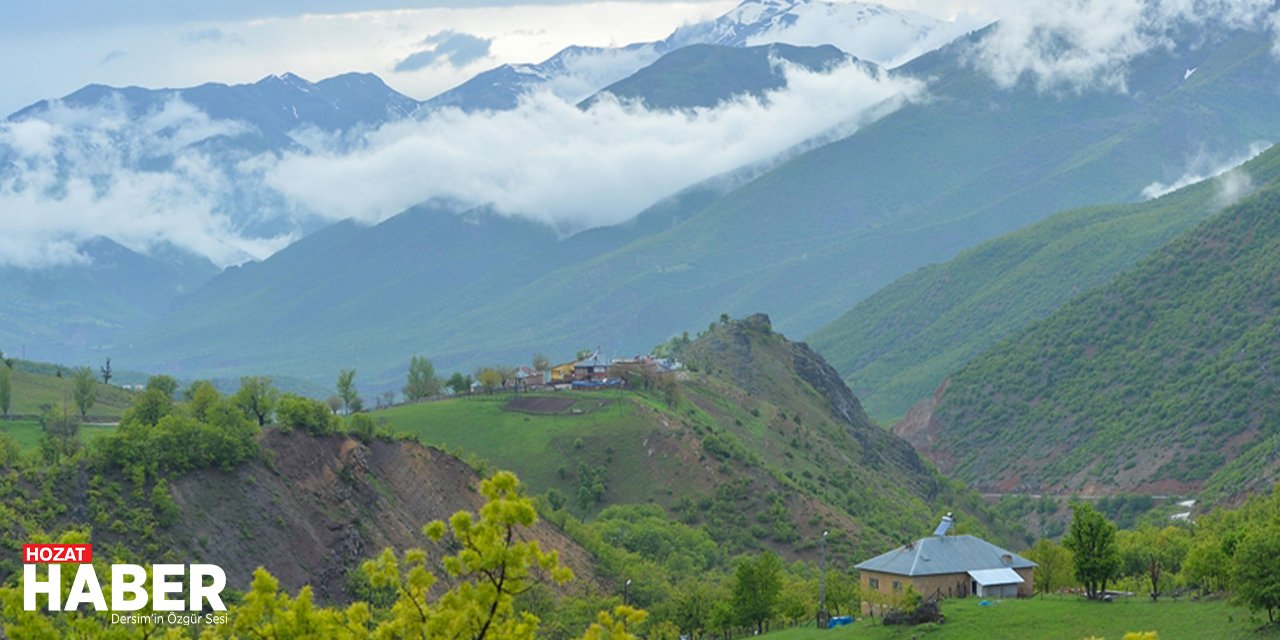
(419, 47)
(73, 173)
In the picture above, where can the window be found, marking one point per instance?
(897, 586)
(874, 583)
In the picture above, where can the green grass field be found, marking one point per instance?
(608, 430)
(31, 390)
(27, 432)
(1066, 618)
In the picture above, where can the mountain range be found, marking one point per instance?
(871, 32)
(806, 240)
(898, 345)
(1164, 380)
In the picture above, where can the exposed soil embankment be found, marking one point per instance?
(317, 507)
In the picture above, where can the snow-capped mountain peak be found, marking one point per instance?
(872, 32)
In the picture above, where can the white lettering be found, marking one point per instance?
(85, 588)
(161, 586)
(120, 587)
(201, 593)
(31, 587)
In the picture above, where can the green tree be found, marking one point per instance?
(362, 427)
(347, 389)
(541, 362)
(1207, 565)
(9, 449)
(757, 583)
(105, 372)
(257, 398)
(311, 416)
(201, 397)
(1055, 568)
(83, 390)
(490, 379)
(6, 388)
(163, 383)
(148, 407)
(1150, 553)
(61, 434)
(691, 606)
(492, 565)
(458, 383)
(423, 382)
(1256, 570)
(1092, 542)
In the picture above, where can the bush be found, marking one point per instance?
(305, 414)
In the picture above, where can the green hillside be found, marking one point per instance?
(897, 346)
(62, 312)
(804, 241)
(702, 75)
(1166, 380)
(761, 443)
(31, 391)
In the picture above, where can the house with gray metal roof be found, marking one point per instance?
(944, 566)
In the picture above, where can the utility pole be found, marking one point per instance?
(625, 589)
(822, 582)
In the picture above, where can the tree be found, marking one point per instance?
(148, 408)
(334, 403)
(257, 398)
(165, 384)
(202, 397)
(6, 388)
(1207, 565)
(458, 383)
(490, 379)
(1092, 540)
(1055, 567)
(105, 372)
(492, 565)
(423, 382)
(1150, 552)
(1256, 570)
(61, 434)
(541, 362)
(347, 388)
(756, 585)
(311, 416)
(83, 390)
(362, 427)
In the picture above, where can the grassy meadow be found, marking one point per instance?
(1061, 617)
(599, 428)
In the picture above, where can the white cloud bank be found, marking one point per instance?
(76, 173)
(1081, 45)
(570, 168)
(73, 175)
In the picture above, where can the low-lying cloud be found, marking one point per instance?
(1204, 165)
(78, 173)
(74, 174)
(573, 168)
(1085, 45)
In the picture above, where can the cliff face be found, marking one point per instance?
(321, 506)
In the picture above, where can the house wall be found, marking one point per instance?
(948, 585)
(1028, 586)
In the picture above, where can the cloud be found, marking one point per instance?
(72, 175)
(1083, 45)
(448, 46)
(1205, 165)
(211, 34)
(112, 56)
(571, 168)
